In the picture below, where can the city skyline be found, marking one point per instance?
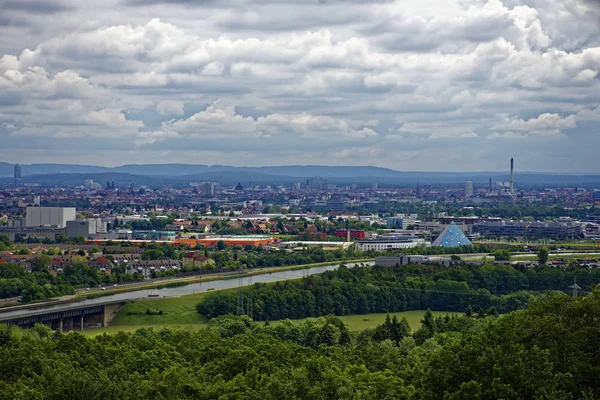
(457, 85)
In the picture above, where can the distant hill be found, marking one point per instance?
(6, 169)
(180, 175)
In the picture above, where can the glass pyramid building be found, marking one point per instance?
(451, 237)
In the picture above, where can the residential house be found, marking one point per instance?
(196, 260)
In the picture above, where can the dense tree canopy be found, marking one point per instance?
(549, 351)
(363, 290)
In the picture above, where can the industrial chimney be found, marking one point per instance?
(512, 170)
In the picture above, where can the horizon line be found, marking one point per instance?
(305, 165)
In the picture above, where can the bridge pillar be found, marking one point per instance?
(81, 323)
(60, 325)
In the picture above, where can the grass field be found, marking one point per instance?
(184, 315)
(360, 322)
(176, 311)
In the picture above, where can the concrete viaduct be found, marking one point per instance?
(66, 317)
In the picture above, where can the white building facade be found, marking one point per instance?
(55, 217)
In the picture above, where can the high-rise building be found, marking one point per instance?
(17, 176)
(468, 189)
(374, 186)
(208, 189)
(89, 184)
(316, 183)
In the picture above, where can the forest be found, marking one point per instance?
(548, 351)
(363, 290)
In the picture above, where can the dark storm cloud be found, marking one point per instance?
(35, 6)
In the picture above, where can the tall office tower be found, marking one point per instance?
(316, 183)
(17, 176)
(468, 189)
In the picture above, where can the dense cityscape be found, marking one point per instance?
(475, 251)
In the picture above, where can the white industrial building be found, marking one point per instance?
(391, 243)
(55, 217)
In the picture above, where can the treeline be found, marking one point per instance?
(41, 284)
(363, 290)
(37, 285)
(549, 351)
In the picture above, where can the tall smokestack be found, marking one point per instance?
(490, 184)
(512, 170)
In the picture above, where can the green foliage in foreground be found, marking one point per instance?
(549, 351)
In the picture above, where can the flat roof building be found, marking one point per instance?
(54, 217)
(555, 230)
(403, 242)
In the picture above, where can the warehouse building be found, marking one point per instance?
(52, 217)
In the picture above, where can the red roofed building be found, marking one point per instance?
(102, 264)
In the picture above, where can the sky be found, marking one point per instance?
(421, 85)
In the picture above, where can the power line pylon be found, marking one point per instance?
(240, 293)
(575, 287)
(249, 302)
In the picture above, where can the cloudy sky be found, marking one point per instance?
(429, 85)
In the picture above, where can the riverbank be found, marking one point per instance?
(159, 284)
(168, 287)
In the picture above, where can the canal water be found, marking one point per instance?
(176, 291)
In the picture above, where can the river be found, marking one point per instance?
(175, 291)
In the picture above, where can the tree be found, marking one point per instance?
(40, 263)
(469, 311)
(428, 320)
(221, 245)
(399, 329)
(542, 255)
(502, 255)
(5, 243)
